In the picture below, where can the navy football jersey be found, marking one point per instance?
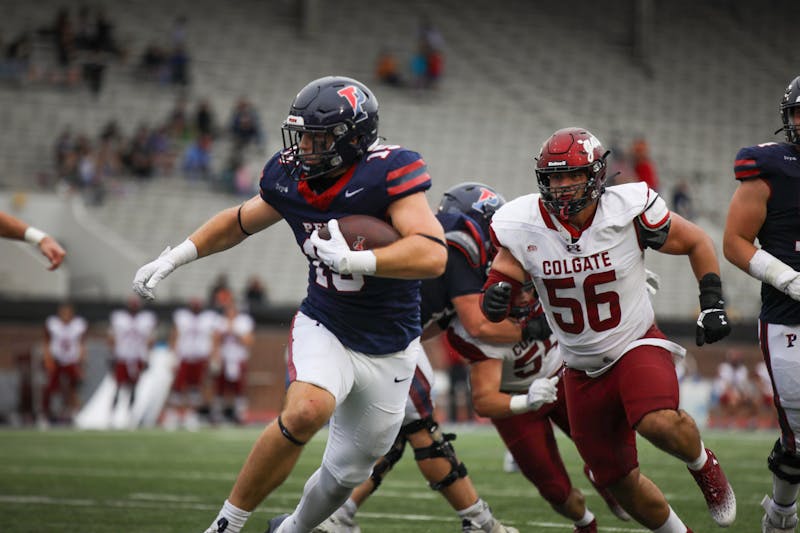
(778, 164)
(366, 313)
(467, 267)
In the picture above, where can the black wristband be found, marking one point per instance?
(711, 292)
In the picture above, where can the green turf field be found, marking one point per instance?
(154, 481)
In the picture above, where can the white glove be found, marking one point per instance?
(335, 253)
(653, 281)
(148, 276)
(542, 391)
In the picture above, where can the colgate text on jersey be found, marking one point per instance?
(575, 265)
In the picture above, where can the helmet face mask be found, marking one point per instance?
(790, 112)
(338, 118)
(571, 152)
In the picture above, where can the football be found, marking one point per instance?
(363, 232)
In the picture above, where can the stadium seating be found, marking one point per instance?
(513, 74)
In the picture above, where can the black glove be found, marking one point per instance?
(536, 328)
(497, 301)
(713, 323)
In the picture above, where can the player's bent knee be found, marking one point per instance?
(662, 424)
(784, 464)
(385, 463)
(556, 494)
(440, 447)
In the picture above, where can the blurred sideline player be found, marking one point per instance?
(191, 340)
(354, 343)
(509, 382)
(464, 212)
(13, 228)
(583, 247)
(233, 339)
(131, 335)
(64, 356)
(764, 206)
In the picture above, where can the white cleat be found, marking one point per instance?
(338, 522)
(775, 521)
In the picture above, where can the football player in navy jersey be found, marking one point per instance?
(464, 212)
(765, 206)
(354, 342)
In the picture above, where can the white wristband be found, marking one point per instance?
(183, 253)
(769, 269)
(361, 262)
(519, 404)
(34, 236)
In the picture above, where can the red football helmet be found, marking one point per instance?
(570, 150)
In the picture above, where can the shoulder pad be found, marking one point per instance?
(654, 223)
(656, 214)
(465, 243)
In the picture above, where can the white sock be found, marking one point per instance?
(673, 524)
(479, 513)
(783, 492)
(700, 462)
(350, 507)
(234, 516)
(586, 520)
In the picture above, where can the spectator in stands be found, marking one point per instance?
(13, 228)
(386, 69)
(255, 293)
(104, 39)
(682, 200)
(66, 156)
(177, 123)
(16, 65)
(178, 61)
(64, 356)
(152, 64)
(138, 157)
(131, 335)
(191, 340)
(233, 340)
(160, 147)
(93, 69)
(204, 120)
(245, 125)
(734, 390)
(197, 159)
(643, 165)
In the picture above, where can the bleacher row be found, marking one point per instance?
(514, 72)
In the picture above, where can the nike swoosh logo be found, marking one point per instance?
(348, 194)
(396, 380)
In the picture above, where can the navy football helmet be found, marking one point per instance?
(476, 200)
(340, 115)
(571, 150)
(790, 106)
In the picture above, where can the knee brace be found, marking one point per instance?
(784, 465)
(441, 447)
(385, 463)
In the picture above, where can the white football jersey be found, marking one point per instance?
(132, 334)
(231, 349)
(591, 282)
(523, 361)
(195, 333)
(65, 338)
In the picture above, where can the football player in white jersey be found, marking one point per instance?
(13, 228)
(233, 340)
(64, 355)
(583, 247)
(517, 386)
(131, 336)
(191, 340)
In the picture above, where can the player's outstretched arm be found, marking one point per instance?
(14, 228)
(468, 309)
(222, 231)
